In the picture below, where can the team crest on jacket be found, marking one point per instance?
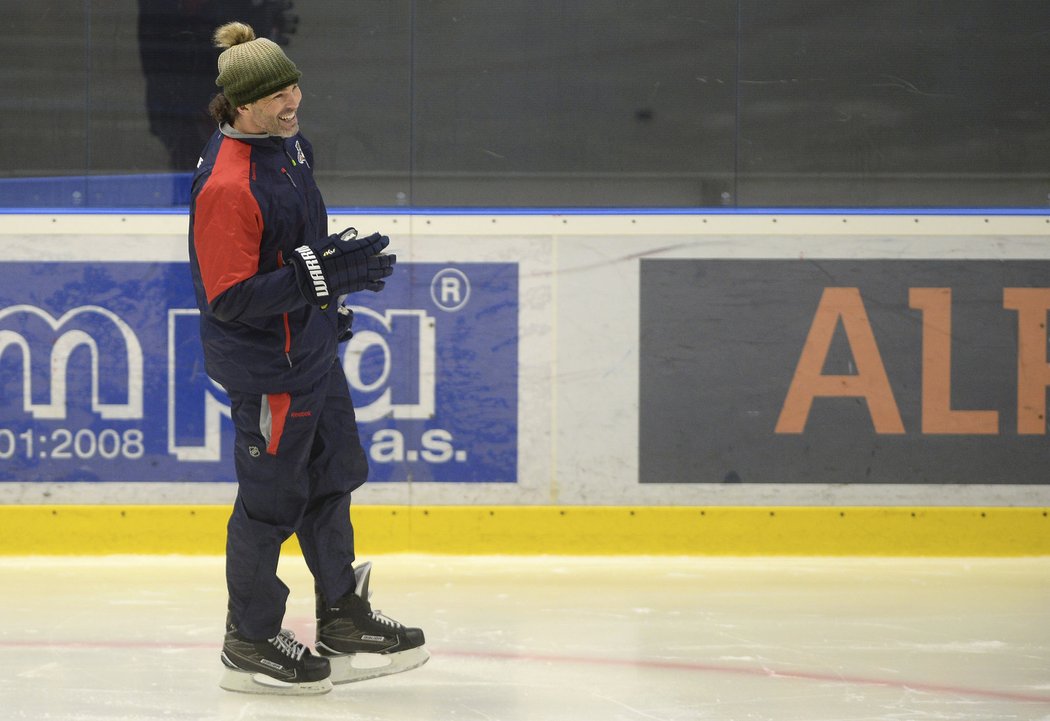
(302, 155)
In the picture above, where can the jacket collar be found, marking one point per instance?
(254, 138)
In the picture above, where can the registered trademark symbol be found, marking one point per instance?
(450, 289)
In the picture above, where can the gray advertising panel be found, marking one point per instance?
(843, 371)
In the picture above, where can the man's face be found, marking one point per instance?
(276, 114)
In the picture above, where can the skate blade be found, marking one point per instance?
(247, 682)
(353, 667)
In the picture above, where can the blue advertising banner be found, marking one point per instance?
(102, 376)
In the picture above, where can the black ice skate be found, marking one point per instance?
(361, 643)
(280, 665)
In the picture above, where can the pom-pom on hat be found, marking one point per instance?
(251, 68)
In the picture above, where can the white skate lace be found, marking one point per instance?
(285, 643)
(377, 615)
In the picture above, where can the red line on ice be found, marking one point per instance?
(688, 666)
(752, 671)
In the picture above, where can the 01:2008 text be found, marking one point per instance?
(63, 443)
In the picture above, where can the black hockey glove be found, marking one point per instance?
(342, 263)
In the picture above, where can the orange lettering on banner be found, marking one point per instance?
(1033, 373)
(870, 382)
(937, 414)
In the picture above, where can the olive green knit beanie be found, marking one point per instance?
(251, 68)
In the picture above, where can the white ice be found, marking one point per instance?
(555, 638)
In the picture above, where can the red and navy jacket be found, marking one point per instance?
(253, 201)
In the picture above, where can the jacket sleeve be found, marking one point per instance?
(261, 295)
(227, 231)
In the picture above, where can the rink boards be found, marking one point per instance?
(543, 530)
(755, 383)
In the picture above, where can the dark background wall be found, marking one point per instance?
(545, 103)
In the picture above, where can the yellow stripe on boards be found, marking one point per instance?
(583, 530)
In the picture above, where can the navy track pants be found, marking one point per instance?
(297, 456)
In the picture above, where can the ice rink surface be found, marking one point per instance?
(555, 638)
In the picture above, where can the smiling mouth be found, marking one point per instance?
(286, 118)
